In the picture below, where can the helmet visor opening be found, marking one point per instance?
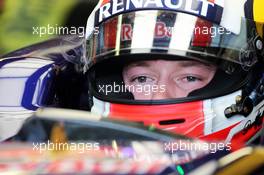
(160, 80)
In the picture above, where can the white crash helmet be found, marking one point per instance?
(227, 34)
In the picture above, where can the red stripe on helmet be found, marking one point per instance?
(202, 33)
(184, 118)
(110, 34)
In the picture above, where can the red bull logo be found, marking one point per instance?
(161, 31)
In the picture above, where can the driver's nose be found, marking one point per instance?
(161, 95)
(165, 91)
(168, 90)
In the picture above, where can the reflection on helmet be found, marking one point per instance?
(175, 69)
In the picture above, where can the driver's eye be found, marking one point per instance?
(191, 78)
(142, 79)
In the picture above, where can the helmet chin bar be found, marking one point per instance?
(245, 104)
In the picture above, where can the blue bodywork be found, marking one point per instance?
(41, 75)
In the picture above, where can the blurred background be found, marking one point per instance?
(20, 20)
